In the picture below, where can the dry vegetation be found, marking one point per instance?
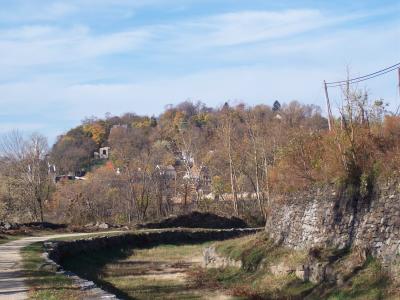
(255, 279)
(44, 283)
(233, 160)
(159, 272)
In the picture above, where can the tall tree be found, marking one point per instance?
(27, 173)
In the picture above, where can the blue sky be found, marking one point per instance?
(63, 60)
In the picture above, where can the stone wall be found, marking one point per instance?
(58, 251)
(328, 218)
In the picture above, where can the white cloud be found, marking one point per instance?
(247, 27)
(43, 45)
(254, 26)
(37, 45)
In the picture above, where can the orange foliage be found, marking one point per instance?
(96, 131)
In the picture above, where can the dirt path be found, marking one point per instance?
(12, 281)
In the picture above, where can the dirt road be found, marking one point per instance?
(12, 281)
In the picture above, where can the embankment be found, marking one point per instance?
(324, 217)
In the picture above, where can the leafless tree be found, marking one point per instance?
(26, 171)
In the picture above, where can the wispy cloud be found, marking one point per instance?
(45, 44)
(42, 45)
(252, 26)
(62, 60)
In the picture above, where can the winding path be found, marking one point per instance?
(12, 280)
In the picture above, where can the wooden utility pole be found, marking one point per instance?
(398, 74)
(328, 106)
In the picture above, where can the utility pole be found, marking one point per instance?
(328, 106)
(398, 73)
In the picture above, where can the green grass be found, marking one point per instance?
(5, 238)
(170, 252)
(43, 281)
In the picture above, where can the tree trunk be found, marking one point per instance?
(233, 186)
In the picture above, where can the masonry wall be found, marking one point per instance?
(328, 218)
(62, 249)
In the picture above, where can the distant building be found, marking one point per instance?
(103, 153)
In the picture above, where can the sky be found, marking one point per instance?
(61, 61)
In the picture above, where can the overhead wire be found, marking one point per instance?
(358, 79)
(364, 77)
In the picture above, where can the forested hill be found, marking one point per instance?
(235, 160)
(192, 128)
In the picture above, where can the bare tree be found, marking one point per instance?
(226, 130)
(26, 171)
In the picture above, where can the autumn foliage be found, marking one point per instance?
(235, 159)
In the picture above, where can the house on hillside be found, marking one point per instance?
(103, 153)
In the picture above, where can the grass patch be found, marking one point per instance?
(254, 280)
(370, 283)
(257, 251)
(43, 281)
(170, 252)
(5, 238)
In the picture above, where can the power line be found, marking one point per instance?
(353, 81)
(364, 77)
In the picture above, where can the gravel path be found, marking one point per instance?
(12, 281)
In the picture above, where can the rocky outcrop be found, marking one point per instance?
(211, 259)
(325, 217)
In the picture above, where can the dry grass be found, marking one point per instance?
(364, 280)
(45, 284)
(159, 272)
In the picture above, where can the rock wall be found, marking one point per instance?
(211, 259)
(328, 218)
(58, 251)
